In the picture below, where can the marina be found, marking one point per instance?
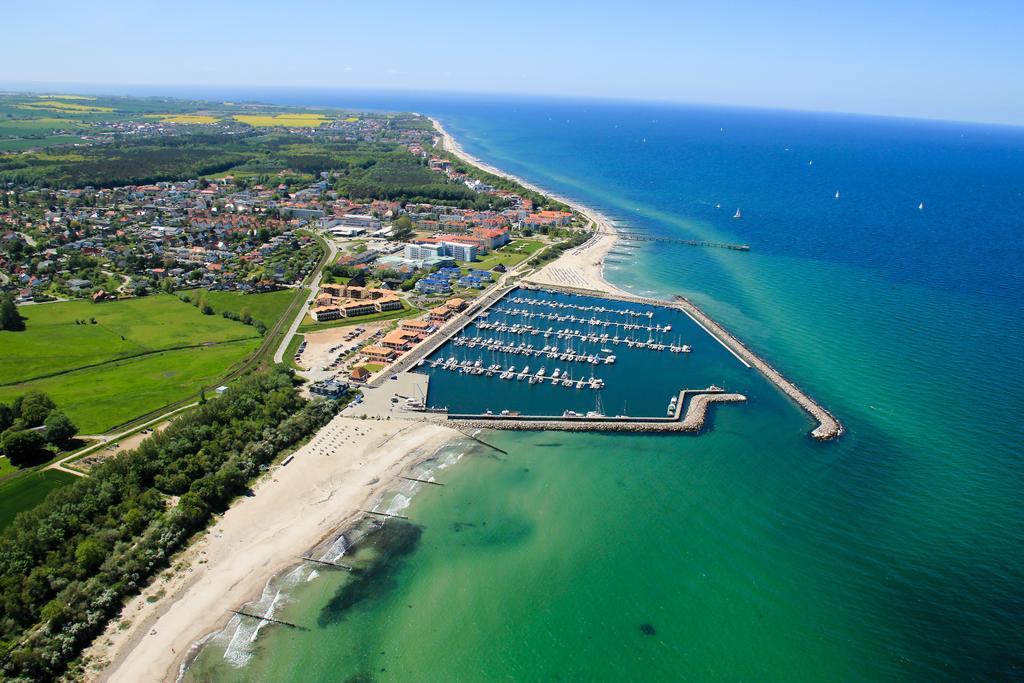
(642, 353)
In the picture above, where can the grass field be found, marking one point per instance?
(28, 491)
(266, 308)
(141, 355)
(53, 343)
(511, 254)
(20, 144)
(287, 120)
(100, 398)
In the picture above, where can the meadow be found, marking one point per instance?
(140, 355)
(100, 398)
(266, 308)
(52, 343)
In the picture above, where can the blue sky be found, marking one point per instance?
(938, 59)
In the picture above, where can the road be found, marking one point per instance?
(314, 286)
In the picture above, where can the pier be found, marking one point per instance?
(691, 422)
(642, 237)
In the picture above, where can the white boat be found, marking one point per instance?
(687, 348)
(737, 214)
(921, 206)
(672, 406)
(837, 194)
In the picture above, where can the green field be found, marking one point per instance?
(53, 343)
(141, 355)
(28, 491)
(266, 308)
(19, 144)
(511, 254)
(99, 398)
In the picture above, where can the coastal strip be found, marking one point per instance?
(342, 470)
(581, 271)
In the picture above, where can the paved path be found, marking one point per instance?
(314, 285)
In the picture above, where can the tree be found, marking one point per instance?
(23, 447)
(59, 427)
(401, 229)
(10, 319)
(6, 417)
(33, 408)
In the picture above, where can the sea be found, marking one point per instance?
(884, 277)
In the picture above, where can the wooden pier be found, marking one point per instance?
(643, 237)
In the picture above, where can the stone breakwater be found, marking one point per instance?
(828, 426)
(692, 422)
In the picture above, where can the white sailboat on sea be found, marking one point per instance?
(920, 206)
(737, 214)
(837, 194)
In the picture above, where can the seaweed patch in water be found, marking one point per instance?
(647, 629)
(392, 542)
(459, 526)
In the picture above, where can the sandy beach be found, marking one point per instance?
(582, 267)
(342, 469)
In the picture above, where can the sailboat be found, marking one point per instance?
(837, 194)
(921, 206)
(737, 214)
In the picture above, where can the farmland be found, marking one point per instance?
(291, 120)
(102, 397)
(139, 355)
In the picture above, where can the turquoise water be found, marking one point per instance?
(749, 552)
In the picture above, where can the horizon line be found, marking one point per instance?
(44, 87)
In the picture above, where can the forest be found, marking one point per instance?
(68, 565)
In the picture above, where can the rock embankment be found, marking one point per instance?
(693, 421)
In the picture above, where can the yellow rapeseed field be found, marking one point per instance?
(286, 120)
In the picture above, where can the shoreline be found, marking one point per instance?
(294, 508)
(582, 267)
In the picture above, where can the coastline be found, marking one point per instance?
(583, 266)
(294, 508)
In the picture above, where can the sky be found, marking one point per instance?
(930, 59)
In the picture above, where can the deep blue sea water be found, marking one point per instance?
(895, 553)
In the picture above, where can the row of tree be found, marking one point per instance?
(68, 565)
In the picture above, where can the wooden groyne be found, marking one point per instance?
(828, 426)
(268, 619)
